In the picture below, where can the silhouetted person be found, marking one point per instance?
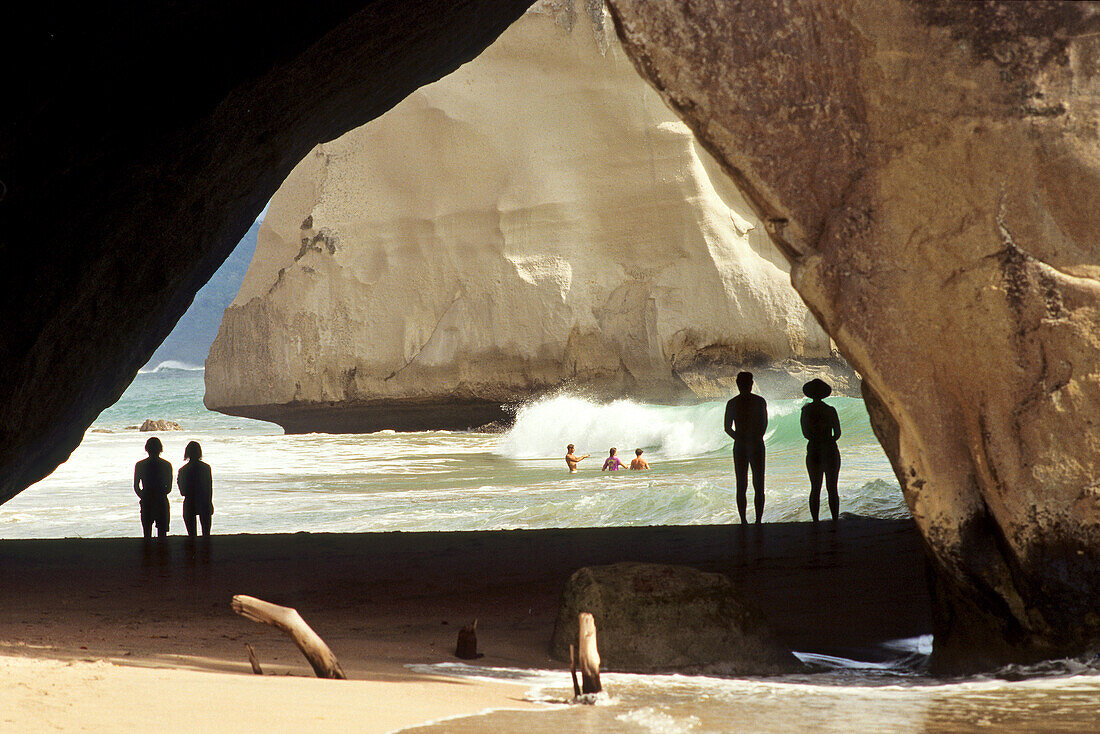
(821, 427)
(197, 487)
(746, 421)
(152, 483)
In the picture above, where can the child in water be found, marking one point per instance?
(613, 463)
(638, 462)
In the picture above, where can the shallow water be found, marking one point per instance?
(267, 482)
(846, 697)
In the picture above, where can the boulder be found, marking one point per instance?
(932, 172)
(456, 255)
(159, 425)
(652, 617)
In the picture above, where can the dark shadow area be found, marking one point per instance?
(371, 596)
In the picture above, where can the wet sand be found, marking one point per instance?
(383, 600)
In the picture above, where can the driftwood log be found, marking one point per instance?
(588, 656)
(289, 621)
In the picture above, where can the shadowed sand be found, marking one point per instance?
(382, 600)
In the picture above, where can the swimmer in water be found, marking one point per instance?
(638, 462)
(613, 463)
(571, 459)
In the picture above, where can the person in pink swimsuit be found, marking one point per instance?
(613, 463)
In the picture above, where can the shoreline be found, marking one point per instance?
(385, 600)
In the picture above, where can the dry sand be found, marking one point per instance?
(95, 630)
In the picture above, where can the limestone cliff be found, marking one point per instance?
(537, 218)
(940, 199)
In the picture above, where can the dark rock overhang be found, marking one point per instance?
(138, 143)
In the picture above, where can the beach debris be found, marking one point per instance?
(588, 656)
(159, 425)
(289, 621)
(467, 643)
(253, 661)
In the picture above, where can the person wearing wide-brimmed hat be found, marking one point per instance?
(821, 427)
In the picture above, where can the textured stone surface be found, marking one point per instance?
(151, 424)
(932, 170)
(138, 142)
(538, 218)
(653, 617)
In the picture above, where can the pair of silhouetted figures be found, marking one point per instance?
(746, 422)
(153, 483)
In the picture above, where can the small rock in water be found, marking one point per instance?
(158, 425)
(132, 428)
(101, 430)
(493, 427)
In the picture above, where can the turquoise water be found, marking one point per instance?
(269, 482)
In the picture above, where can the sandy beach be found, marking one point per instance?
(87, 627)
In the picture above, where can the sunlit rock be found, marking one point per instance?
(932, 170)
(539, 218)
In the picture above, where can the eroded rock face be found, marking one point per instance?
(133, 158)
(932, 170)
(538, 218)
(653, 617)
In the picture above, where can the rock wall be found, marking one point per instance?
(133, 160)
(537, 218)
(932, 169)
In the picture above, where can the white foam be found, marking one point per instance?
(172, 364)
(544, 428)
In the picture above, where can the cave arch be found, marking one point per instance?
(837, 121)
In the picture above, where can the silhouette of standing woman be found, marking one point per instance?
(152, 483)
(821, 427)
(746, 421)
(197, 487)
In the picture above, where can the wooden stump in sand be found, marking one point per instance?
(587, 656)
(289, 621)
(467, 643)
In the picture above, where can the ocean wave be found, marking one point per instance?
(172, 364)
(544, 427)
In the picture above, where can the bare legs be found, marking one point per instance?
(823, 462)
(192, 529)
(749, 456)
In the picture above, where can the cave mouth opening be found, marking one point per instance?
(593, 226)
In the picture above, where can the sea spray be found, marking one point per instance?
(171, 364)
(544, 428)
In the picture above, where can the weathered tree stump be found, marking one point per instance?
(467, 643)
(289, 621)
(588, 656)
